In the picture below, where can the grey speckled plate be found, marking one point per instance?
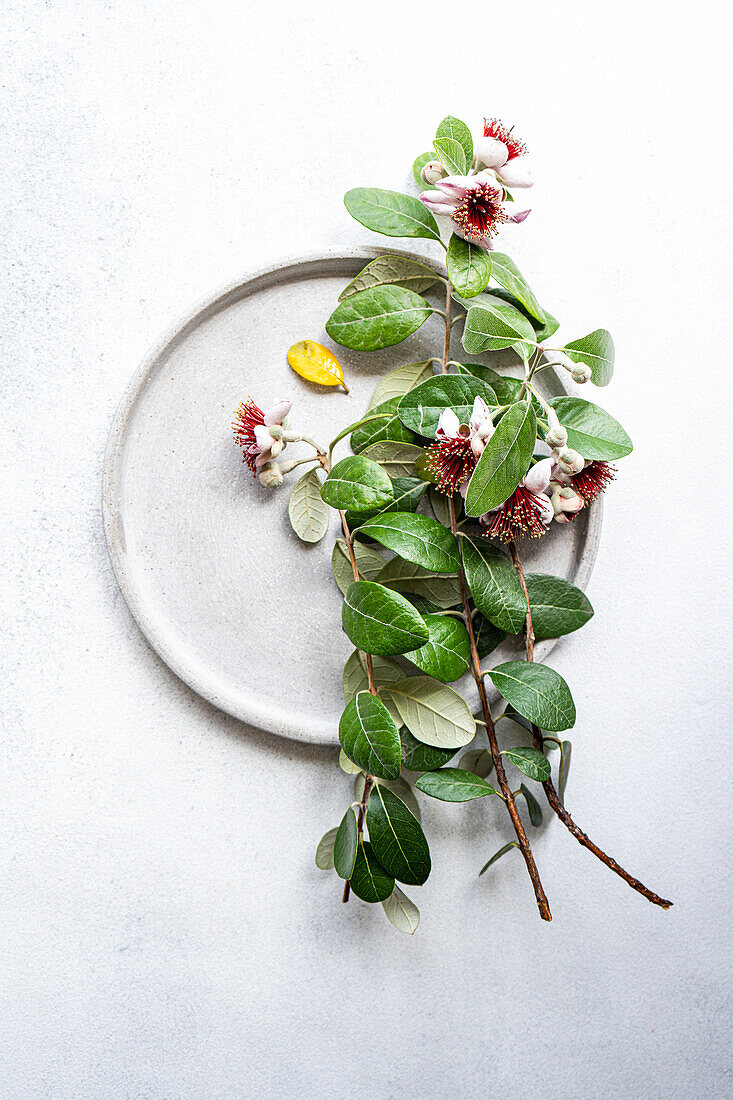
(233, 602)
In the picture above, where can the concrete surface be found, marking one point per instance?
(163, 931)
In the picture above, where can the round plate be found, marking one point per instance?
(238, 607)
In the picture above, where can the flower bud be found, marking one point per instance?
(557, 436)
(432, 172)
(286, 467)
(271, 475)
(277, 447)
(581, 373)
(565, 502)
(569, 461)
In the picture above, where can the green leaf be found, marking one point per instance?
(535, 810)
(452, 127)
(452, 155)
(591, 430)
(406, 577)
(377, 318)
(445, 655)
(400, 381)
(354, 677)
(397, 837)
(469, 267)
(391, 213)
(380, 621)
(506, 388)
(396, 459)
(566, 750)
(504, 461)
(346, 765)
(418, 166)
(417, 539)
(397, 270)
(420, 409)
(542, 328)
(422, 758)
(531, 762)
(597, 351)
(307, 510)
(369, 880)
(558, 607)
(488, 637)
(357, 482)
(440, 504)
(537, 692)
(345, 845)
(498, 855)
(324, 851)
(389, 427)
(454, 785)
(399, 787)
(508, 275)
(369, 562)
(369, 737)
(434, 713)
(495, 586)
(493, 325)
(408, 492)
(401, 912)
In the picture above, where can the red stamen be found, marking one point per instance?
(480, 213)
(248, 417)
(592, 480)
(518, 517)
(452, 461)
(495, 129)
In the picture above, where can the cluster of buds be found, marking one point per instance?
(263, 436)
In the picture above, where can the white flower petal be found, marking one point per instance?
(491, 152)
(263, 438)
(277, 412)
(448, 425)
(538, 478)
(517, 172)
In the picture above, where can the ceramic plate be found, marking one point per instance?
(238, 607)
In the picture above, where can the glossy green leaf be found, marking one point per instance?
(391, 213)
(506, 388)
(420, 409)
(446, 653)
(558, 607)
(504, 461)
(454, 785)
(377, 318)
(417, 539)
(488, 637)
(566, 750)
(433, 712)
(369, 737)
(498, 855)
(537, 692)
(597, 351)
(399, 787)
(494, 584)
(408, 492)
(397, 838)
(369, 562)
(324, 851)
(399, 381)
(418, 166)
(453, 128)
(422, 758)
(493, 324)
(451, 155)
(397, 270)
(307, 510)
(531, 762)
(591, 430)
(469, 267)
(357, 482)
(396, 459)
(380, 621)
(345, 845)
(535, 810)
(406, 577)
(389, 427)
(543, 328)
(369, 880)
(508, 275)
(401, 912)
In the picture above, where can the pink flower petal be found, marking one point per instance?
(538, 478)
(277, 412)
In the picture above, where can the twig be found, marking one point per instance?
(551, 794)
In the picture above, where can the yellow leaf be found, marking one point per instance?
(316, 363)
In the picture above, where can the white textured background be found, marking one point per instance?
(163, 932)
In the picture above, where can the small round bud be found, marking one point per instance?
(581, 373)
(557, 436)
(565, 502)
(271, 475)
(432, 172)
(569, 461)
(277, 447)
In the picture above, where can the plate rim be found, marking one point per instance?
(318, 731)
